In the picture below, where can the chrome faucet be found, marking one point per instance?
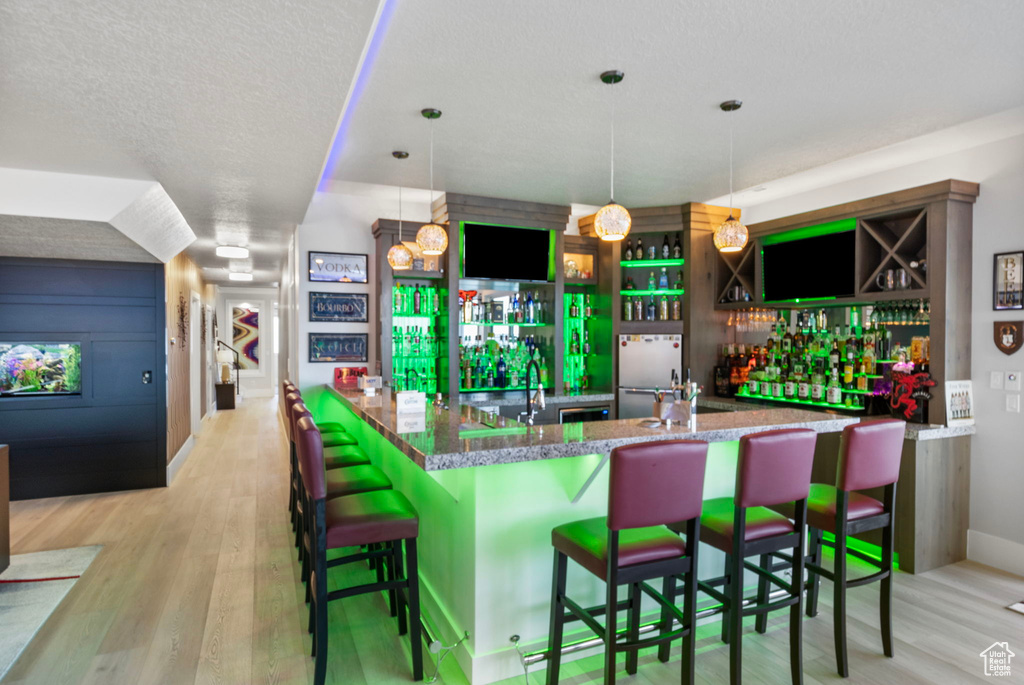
(408, 386)
(538, 399)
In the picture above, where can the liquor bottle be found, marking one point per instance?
(677, 249)
(627, 309)
(663, 279)
(588, 311)
(778, 383)
(398, 298)
(573, 310)
(789, 389)
(833, 355)
(818, 385)
(678, 285)
(834, 394)
(787, 338)
(803, 388)
(848, 375)
(513, 380)
(529, 307)
(574, 345)
(628, 256)
(639, 254)
(666, 251)
(677, 309)
(651, 309)
(799, 339)
(514, 307)
(638, 309)
(586, 342)
(663, 308)
(652, 252)
(500, 379)
(543, 372)
(436, 301)
(416, 299)
(651, 282)
(490, 376)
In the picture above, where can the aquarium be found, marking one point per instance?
(40, 369)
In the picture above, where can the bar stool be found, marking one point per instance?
(869, 457)
(650, 485)
(384, 517)
(774, 467)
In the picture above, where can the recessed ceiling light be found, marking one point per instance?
(237, 276)
(232, 252)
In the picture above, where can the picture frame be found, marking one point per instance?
(337, 267)
(339, 307)
(959, 403)
(338, 347)
(1008, 281)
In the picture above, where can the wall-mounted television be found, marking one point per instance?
(30, 368)
(507, 253)
(810, 264)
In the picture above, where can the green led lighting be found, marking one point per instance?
(873, 551)
(799, 300)
(841, 226)
(677, 291)
(802, 403)
(493, 432)
(491, 325)
(651, 262)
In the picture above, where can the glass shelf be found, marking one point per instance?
(492, 325)
(802, 403)
(669, 291)
(636, 263)
(396, 315)
(520, 388)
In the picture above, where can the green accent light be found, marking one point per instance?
(799, 300)
(841, 226)
(676, 291)
(803, 403)
(873, 551)
(492, 325)
(651, 262)
(493, 432)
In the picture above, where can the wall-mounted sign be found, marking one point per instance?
(345, 307)
(337, 347)
(335, 267)
(1008, 281)
(1009, 335)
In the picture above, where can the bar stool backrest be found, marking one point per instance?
(656, 483)
(289, 401)
(287, 386)
(299, 410)
(774, 467)
(869, 454)
(310, 448)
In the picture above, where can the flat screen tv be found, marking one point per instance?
(506, 253)
(809, 268)
(28, 368)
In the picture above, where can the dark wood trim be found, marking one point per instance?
(5, 508)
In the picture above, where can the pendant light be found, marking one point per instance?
(612, 222)
(399, 256)
(432, 239)
(731, 235)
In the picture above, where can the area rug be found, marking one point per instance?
(30, 590)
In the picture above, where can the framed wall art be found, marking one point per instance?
(339, 307)
(337, 347)
(1008, 281)
(337, 267)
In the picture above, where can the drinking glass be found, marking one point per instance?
(886, 280)
(902, 279)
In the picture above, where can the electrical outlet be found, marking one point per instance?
(1013, 403)
(995, 380)
(1012, 383)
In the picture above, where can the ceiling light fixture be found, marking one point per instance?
(731, 235)
(239, 276)
(432, 239)
(232, 252)
(612, 222)
(400, 256)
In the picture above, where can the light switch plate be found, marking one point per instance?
(1013, 403)
(1012, 383)
(995, 380)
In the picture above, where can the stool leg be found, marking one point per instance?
(761, 621)
(392, 570)
(633, 628)
(403, 605)
(813, 579)
(885, 601)
(611, 624)
(796, 637)
(735, 623)
(690, 612)
(557, 618)
(839, 605)
(725, 591)
(413, 578)
(668, 591)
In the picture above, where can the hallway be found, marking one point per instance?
(197, 583)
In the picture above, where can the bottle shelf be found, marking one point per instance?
(635, 263)
(520, 388)
(397, 315)
(801, 403)
(492, 325)
(666, 291)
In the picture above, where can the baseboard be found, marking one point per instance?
(179, 459)
(997, 552)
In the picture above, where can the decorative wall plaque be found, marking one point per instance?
(337, 347)
(1009, 335)
(339, 307)
(335, 267)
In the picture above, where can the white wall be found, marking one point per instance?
(261, 383)
(997, 455)
(342, 222)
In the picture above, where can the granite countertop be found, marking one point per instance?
(448, 439)
(518, 397)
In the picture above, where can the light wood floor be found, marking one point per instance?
(197, 583)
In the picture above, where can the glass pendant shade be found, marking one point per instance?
(731, 235)
(432, 239)
(612, 222)
(400, 257)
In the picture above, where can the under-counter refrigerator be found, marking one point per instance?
(646, 361)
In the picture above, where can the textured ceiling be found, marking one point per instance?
(230, 106)
(526, 117)
(46, 238)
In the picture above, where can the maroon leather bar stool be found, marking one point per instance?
(384, 519)
(869, 458)
(774, 467)
(650, 485)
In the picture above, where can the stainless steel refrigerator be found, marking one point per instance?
(646, 361)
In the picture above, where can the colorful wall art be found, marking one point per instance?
(245, 327)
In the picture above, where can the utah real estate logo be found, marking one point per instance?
(997, 659)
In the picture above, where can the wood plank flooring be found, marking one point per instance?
(198, 583)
